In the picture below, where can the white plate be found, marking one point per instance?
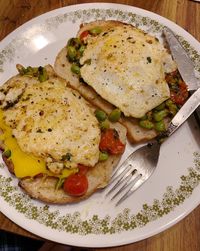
(169, 195)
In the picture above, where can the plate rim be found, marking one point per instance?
(118, 6)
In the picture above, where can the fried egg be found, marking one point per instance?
(51, 121)
(127, 68)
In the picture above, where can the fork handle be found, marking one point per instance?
(186, 110)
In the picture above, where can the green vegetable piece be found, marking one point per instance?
(173, 109)
(169, 102)
(114, 116)
(7, 153)
(160, 115)
(43, 76)
(75, 69)
(67, 156)
(74, 42)
(171, 106)
(100, 115)
(59, 183)
(81, 49)
(95, 31)
(160, 126)
(160, 107)
(103, 156)
(104, 125)
(29, 70)
(146, 124)
(35, 71)
(71, 53)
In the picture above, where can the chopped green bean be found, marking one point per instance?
(74, 42)
(42, 74)
(71, 53)
(103, 156)
(100, 115)
(59, 183)
(160, 126)
(81, 49)
(95, 31)
(146, 124)
(169, 102)
(173, 109)
(160, 107)
(114, 116)
(160, 115)
(104, 125)
(171, 106)
(7, 153)
(75, 69)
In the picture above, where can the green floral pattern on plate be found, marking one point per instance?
(72, 223)
(124, 221)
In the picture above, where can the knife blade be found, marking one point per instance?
(185, 65)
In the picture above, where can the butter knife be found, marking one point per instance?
(184, 64)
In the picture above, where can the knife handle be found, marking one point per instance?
(197, 111)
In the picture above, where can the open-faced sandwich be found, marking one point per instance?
(57, 144)
(127, 73)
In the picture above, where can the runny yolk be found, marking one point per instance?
(24, 164)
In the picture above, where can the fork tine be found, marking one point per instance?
(133, 172)
(132, 189)
(120, 178)
(121, 168)
(130, 181)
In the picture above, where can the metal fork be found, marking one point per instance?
(140, 164)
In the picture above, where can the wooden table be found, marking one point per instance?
(185, 235)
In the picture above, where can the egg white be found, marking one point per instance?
(127, 69)
(50, 120)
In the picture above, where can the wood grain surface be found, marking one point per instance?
(185, 235)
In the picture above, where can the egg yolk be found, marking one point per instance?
(24, 164)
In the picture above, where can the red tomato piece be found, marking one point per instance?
(111, 143)
(76, 184)
(83, 35)
(180, 97)
(179, 94)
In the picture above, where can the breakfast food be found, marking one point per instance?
(53, 140)
(127, 73)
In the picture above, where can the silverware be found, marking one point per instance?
(184, 64)
(139, 166)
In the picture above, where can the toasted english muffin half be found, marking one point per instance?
(93, 92)
(47, 130)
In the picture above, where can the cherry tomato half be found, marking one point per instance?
(111, 143)
(76, 184)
